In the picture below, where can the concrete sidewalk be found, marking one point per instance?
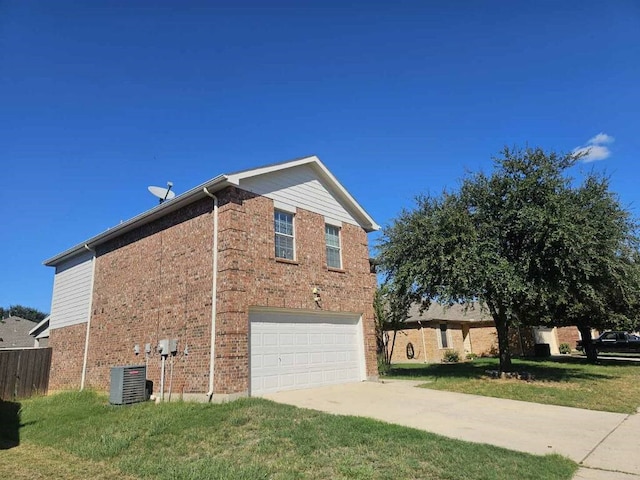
(604, 444)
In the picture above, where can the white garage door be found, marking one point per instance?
(292, 350)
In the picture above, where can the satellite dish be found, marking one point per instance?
(163, 193)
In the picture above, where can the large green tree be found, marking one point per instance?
(602, 266)
(28, 313)
(512, 240)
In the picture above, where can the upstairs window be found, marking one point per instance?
(332, 238)
(283, 226)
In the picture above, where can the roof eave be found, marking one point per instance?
(39, 325)
(159, 211)
(213, 185)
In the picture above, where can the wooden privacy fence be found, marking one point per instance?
(24, 372)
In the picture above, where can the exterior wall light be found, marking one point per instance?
(316, 295)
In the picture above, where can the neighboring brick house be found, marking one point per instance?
(426, 337)
(262, 277)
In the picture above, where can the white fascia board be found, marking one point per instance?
(159, 211)
(364, 218)
(42, 322)
(254, 172)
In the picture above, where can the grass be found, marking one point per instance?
(609, 385)
(78, 435)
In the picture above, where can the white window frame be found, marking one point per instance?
(328, 247)
(292, 236)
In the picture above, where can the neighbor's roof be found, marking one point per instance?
(446, 313)
(214, 185)
(14, 332)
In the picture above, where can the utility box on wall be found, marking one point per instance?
(128, 385)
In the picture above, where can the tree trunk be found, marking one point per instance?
(587, 343)
(389, 351)
(502, 326)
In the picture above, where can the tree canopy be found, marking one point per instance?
(524, 241)
(21, 311)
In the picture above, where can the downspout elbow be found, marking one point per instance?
(209, 194)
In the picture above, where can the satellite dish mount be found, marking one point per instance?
(163, 193)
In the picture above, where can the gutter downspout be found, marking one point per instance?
(86, 340)
(424, 346)
(214, 291)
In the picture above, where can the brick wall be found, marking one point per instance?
(250, 276)
(484, 341)
(155, 282)
(568, 335)
(67, 356)
(150, 284)
(481, 340)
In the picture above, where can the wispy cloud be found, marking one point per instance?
(595, 149)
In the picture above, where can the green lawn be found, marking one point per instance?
(78, 435)
(609, 385)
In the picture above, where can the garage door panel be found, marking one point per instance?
(270, 360)
(270, 382)
(269, 339)
(286, 339)
(291, 351)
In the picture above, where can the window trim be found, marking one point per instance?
(292, 236)
(328, 247)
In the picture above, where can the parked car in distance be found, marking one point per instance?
(622, 342)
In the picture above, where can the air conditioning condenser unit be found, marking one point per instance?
(128, 384)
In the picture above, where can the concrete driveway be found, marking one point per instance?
(607, 445)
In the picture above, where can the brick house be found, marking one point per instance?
(426, 337)
(261, 278)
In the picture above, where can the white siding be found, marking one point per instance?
(298, 187)
(72, 286)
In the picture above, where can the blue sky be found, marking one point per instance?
(100, 99)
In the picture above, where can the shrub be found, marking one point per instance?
(471, 356)
(451, 356)
(564, 348)
(383, 366)
(492, 352)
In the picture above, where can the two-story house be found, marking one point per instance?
(260, 281)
